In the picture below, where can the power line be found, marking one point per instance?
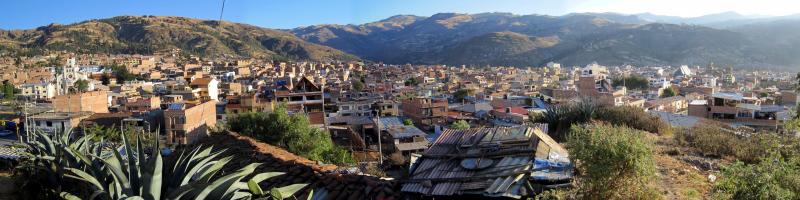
(221, 11)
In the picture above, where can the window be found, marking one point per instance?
(49, 124)
(314, 97)
(719, 102)
(296, 98)
(180, 120)
(345, 107)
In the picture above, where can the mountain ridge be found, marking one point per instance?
(149, 34)
(582, 38)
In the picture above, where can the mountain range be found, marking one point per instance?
(149, 34)
(726, 39)
(573, 39)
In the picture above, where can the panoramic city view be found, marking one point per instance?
(400, 100)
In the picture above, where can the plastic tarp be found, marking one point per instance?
(551, 171)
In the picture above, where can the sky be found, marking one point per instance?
(284, 14)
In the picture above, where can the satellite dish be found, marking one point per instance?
(476, 163)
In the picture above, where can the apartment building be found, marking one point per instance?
(38, 90)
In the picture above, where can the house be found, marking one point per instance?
(425, 111)
(206, 88)
(93, 101)
(736, 109)
(305, 96)
(187, 123)
(670, 104)
(141, 105)
(510, 162)
(472, 110)
(248, 103)
(404, 139)
(517, 115)
(52, 122)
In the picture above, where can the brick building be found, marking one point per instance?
(425, 111)
(94, 101)
(187, 123)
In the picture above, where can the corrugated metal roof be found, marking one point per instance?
(511, 150)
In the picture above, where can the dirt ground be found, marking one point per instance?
(683, 175)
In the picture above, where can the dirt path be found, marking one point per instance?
(678, 177)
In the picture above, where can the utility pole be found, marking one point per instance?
(380, 132)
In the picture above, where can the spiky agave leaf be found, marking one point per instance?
(286, 191)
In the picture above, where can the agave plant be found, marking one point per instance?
(140, 173)
(49, 155)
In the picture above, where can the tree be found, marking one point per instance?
(460, 125)
(797, 89)
(614, 162)
(105, 79)
(408, 122)
(358, 86)
(8, 90)
(82, 85)
(121, 73)
(412, 82)
(632, 82)
(669, 92)
(460, 94)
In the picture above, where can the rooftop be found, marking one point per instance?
(494, 162)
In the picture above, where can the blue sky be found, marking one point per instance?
(25, 14)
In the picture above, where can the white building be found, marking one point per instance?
(38, 90)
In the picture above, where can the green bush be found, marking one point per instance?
(614, 162)
(774, 177)
(460, 125)
(292, 132)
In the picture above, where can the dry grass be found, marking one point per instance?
(678, 179)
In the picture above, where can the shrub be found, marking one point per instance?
(714, 140)
(561, 118)
(460, 125)
(614, 162)
(635, 118)
(292, 132)
(775, 177)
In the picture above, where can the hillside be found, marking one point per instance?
(148, 34)
(577, 39)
